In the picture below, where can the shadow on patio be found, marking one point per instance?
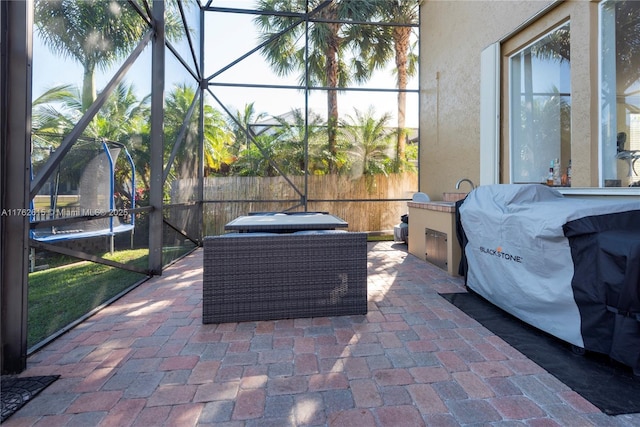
(414, 359)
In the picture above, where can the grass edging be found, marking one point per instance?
(81, 319)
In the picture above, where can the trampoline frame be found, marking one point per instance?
(112, 230)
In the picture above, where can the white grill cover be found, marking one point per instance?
(518, 257)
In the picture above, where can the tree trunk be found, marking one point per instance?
(332, 108)
(401, 40)
(331, 68)
(88, 86)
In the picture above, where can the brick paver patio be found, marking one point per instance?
(414, 359)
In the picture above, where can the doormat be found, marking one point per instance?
(607, 384)
(16, 392)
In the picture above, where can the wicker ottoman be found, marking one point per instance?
(263, 276)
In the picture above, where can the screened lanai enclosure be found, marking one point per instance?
(132, 129)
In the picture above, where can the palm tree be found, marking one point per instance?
(57, 110)
(370, 142)
(122, 116)
(176, 106)
(290, 134)
(54, 113)
(406, 61)
(125, 118)
(218, 139)
(241, 126)
(325, 64)
(254, 161)
(95, 33)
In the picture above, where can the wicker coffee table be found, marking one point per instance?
(267, 276)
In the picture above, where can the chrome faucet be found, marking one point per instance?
(463, 180)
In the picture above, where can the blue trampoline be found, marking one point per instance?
(96, 208)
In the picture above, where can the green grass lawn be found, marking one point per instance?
(61, 295)
(62, 201)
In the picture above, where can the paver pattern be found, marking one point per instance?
(413, 360)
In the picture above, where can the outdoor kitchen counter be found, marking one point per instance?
(440, 206)
(432, 234)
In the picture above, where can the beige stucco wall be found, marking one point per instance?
(452, 37)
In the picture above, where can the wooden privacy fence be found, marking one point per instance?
(366, 203)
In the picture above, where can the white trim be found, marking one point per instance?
(599, 96)
(612, 108)
(600, 191)
(490, 115)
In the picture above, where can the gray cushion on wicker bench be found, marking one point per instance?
(262, 276)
